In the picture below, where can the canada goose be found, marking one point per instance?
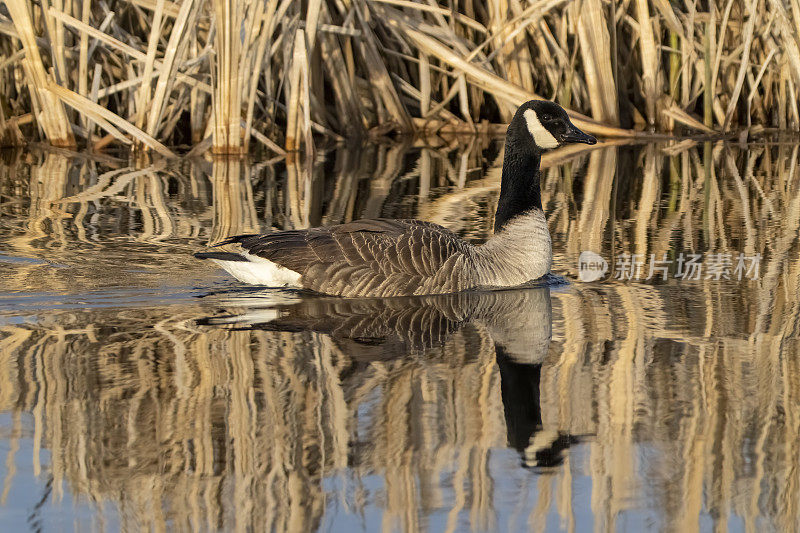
(383, 257)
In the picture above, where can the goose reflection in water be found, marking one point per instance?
(519, 322)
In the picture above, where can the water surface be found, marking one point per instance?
(140, 388)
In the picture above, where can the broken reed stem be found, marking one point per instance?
(107, 120)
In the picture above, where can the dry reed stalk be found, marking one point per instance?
(294, 92)
(51, 115)
(266, 29)
(749, 30)
(93, 97)
(176, 47)
(499, 87)
(227, 93)
(10, 134)
(678, 115)
(107, 120)
(55, 31)
(790, 41)
(708, 46)
(440, 11)
(83, 60)
(513, 57)
(144, 93)
(595, 48)
(379, 78)
(127, 49)
(650, 61)
(171, 9)
(347, 102)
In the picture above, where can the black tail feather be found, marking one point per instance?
(222, 256)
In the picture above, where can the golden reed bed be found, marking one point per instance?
(169, 75)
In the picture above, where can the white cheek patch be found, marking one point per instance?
(542, 137)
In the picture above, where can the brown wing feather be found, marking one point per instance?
(379, 257)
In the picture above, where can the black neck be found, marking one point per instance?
(519, 188)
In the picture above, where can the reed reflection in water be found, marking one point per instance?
(617, 405)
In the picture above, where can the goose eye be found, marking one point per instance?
(547, 118)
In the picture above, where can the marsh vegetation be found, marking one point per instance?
(281, 75)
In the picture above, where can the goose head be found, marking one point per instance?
(547, 125)
(538, 125)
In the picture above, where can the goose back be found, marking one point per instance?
(379, 257)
